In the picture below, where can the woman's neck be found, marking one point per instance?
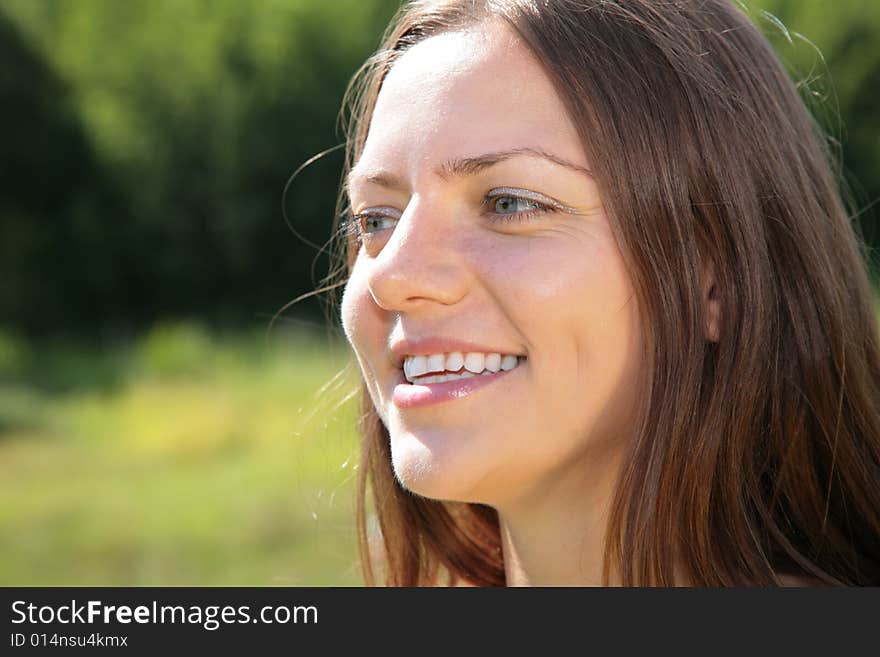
(563, 558)
(556, 536)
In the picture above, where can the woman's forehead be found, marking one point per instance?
(480, 90)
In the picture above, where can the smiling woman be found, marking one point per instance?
(612, 320)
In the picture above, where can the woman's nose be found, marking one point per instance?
(421, 264)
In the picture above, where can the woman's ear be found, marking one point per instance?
(711, 302)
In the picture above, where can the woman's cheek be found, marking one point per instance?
(355, 308)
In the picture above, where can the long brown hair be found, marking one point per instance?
(753, 456)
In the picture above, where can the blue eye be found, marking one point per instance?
(369, 222)
(514, 204)
(372, 223)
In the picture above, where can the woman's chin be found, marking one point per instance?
(427, 473)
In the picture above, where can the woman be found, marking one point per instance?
(613, 321)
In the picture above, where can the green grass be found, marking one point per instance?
(181, 459)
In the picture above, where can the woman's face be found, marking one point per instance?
(484, 233)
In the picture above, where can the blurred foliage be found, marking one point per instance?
(831, 52)
(146, 145)
(145, 148)
(212, 460)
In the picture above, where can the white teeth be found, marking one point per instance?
(454, 361)
(474, 362)
(436, 368)
(436, 363)
(418, 366)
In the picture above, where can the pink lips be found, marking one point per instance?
(407, 395)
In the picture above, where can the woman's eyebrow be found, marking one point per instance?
(468, 166)
(461, 167)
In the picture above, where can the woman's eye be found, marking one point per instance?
(370, 222)
(514, 204)
(505, 206)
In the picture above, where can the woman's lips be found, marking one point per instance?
(409, 395)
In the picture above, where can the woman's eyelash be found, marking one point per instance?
(348, 227)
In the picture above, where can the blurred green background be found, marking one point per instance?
(152, 432)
